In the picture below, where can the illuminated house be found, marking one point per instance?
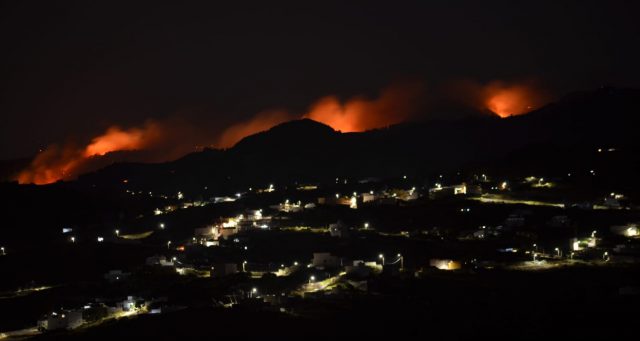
(445, 264)
(335, 200)
(581, 244)
(288, 206)
(630, 230)
(439, 191)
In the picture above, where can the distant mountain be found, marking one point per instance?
(560, 135)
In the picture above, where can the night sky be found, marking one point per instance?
(74, 69)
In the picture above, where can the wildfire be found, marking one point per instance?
(260, 122)
(57, 163)
(115, 139)
(395, 104)
(509, 100)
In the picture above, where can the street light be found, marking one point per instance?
(2, 249)
(162, 226)
(73, 239)
(117, 233)
(168, 244)
(558, 251)
(312, 279)
(381, 256)
(366, 226)
(253, 292)
(593, 234)
(244, 266)
(605, 256)
(401, 261)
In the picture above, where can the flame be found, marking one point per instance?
(395, 104)
(53, 164)
(509, 100)
(57, 163)
(115, 139)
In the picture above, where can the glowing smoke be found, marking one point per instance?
(258, 123)
(395, 104)
(64, 162)
(507, 100)
(115, 139)
(162, 141)
(501, 98)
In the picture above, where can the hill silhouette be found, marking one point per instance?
(562, 134)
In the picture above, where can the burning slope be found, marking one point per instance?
(508, 100)
(57, 163)
(167, 139)
(395, 104)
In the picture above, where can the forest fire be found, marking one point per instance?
(58, 163)
(509, 100)
(395, 104)
(117, 139)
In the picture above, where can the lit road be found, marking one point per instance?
(498, 199)
(23, 292)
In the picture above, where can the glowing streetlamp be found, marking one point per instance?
(558, 252)
(381, 256)
(2, 250)
(253, 292)
(401, 261)
(168, 244)
(605, 256)
(312, 279)
(73, 239)
(244, 266)
(366, 226)
(162, 226)
(117, 233)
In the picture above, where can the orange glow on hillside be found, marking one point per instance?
(117, 139)
(508, 101)
(394, 105)
(58, 163)
(258, 123)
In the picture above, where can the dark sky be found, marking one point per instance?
(71, 69)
